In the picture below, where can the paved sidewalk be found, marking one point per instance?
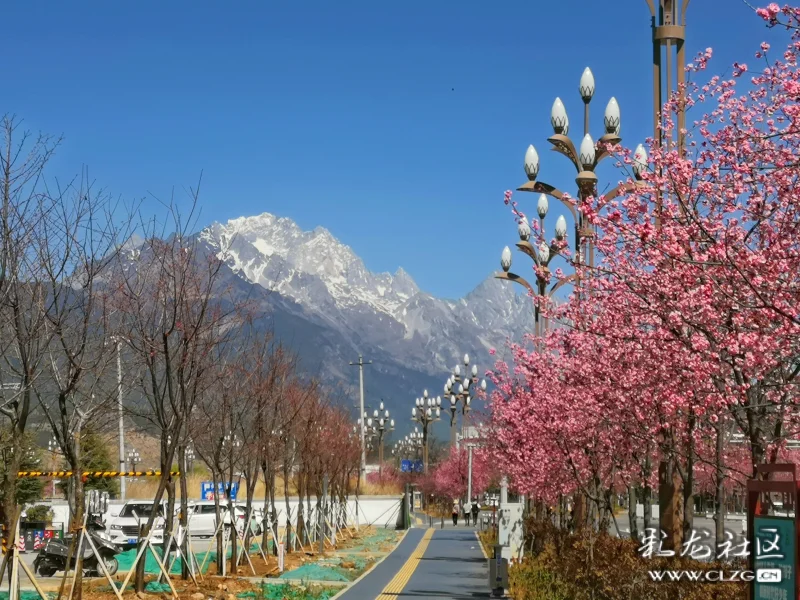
(452, 568)
(377, 578)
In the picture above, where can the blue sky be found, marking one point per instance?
(396, 125)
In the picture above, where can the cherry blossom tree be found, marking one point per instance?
(687, 326)
(451, 476)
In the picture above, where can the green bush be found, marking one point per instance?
(40, 512)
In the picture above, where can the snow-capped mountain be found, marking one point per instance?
(386, 317)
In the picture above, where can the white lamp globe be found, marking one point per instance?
(639, 161)
(505, 260)
(544, 253)
(558, 117)
(531, 163)
(561, 227)
(587, 152)
(611, 119)
(542, 205)
(524, 230)
(586, 85)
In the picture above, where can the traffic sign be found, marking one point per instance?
(207, 490)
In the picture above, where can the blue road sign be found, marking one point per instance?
(207, 490)
(406, 466)
(419, 467)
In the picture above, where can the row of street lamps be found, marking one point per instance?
(458, 389)
(375, 427)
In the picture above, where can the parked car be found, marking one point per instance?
(124, 529)
(203, 518)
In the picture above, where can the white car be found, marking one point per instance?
(203, 518)
(124, 529)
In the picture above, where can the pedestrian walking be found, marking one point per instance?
(466, 514)
(455, 512)
(475, 510)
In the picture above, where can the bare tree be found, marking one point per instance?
(23, 299)
(78, 239)
(174, 313)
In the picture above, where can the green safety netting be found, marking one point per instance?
(330, 569)
(373, 541)
(286, 591)
(28, 595)
(126, 559)
(317, 572)
(269, 591)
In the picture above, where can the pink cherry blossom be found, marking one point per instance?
(683, 331)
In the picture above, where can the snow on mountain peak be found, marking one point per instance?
(331, 283)
(274, 252)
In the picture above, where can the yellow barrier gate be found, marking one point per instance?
(95, 473)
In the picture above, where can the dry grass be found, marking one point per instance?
(381, 489)
(145, 488)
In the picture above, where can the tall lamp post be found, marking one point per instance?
(458, 389)
(668, 22)
(188, 457)
(585, 161)
(380, 425)
(134, 458)
(54, 450)
(427, 411)
(538, 247)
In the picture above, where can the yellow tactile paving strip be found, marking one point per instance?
(401, 578)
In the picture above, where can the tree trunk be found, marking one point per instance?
(77, 509)
(233, 517)
(670, 505)
(265, 526)
(288, 546)
(77, 523)
(159, 495)
(220, 531)
(300, 528)
(647, 493)
(184, 518)
(633, 522)
(250, 487)
(169, 521)
(688, 483)
(719, 509)
(274, 511)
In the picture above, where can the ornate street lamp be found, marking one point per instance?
(381, 423)
(134, 459)
(188, 457)
(461, 389)
(585, 160)
(427, 411)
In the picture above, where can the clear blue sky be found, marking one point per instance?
(396, 125)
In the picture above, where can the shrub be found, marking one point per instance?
(40, 512)
(592, 566)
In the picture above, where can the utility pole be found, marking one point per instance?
(469, 479)
(121, 420)
(360, 364)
